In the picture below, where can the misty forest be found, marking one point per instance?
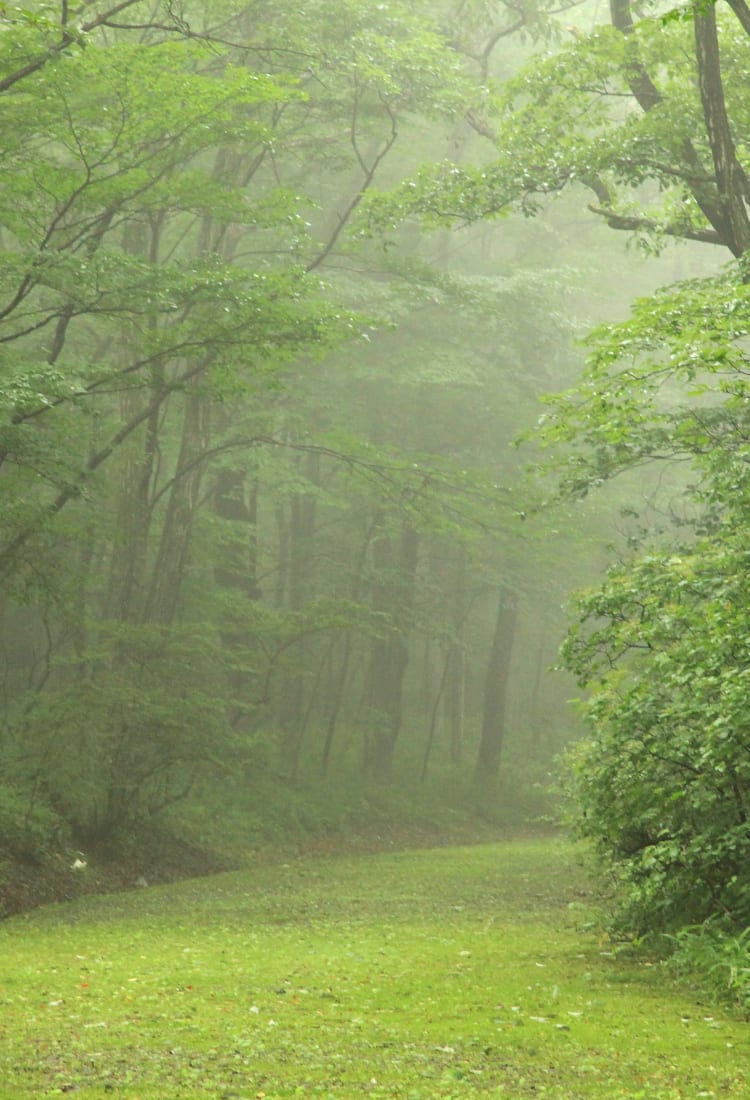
(374, 445)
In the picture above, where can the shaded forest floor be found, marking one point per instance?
(158, 856)
(28, 882)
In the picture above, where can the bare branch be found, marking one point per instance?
(369, 175)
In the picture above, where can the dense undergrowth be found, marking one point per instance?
(715, 960)
(223, 827)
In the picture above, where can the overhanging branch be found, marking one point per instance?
(637, 222)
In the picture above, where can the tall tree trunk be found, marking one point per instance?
(731, 180)
(395, 561)
(128, 564)
(496, 690)
(301, 534)
(341, 675)
(455, 701)
(335, 699)
(236, 573)
(129, 559)
(434, 712)
(455, 694)
(237, 502)
(174, 546)
(535, 710)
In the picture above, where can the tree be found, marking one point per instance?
(232, 499)
(646, 116)
(648, 119)
(495, 690)
(662, 781)
(124, 326)
(661, 646)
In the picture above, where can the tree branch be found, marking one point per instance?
(74, 489)
(67, 39)
(636, 221)
(742, 11)
(369, 174)
(648, 96)
(642, 86)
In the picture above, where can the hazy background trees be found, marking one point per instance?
(269, 557)
(645, 119)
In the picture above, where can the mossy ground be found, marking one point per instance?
(439, 974)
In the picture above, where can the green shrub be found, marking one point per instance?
(717, 959)
(28, 827)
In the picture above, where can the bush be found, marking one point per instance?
(29, 829)
(718, 959)
(663, 781)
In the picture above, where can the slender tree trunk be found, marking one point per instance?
(496, 690)
(395, 561)
(455, 704)
(128, 564)
(174, 546)
(282, 555)
(455, 694)
(335, 699)
(129, 560)
(434, 714)
(301, 531)
(536, 717)
(237, 503)
(236, 575)
(339, 681)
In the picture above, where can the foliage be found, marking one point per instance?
(663, 781)
(29, 828)
(124, 739)
(662, 645)
(647, 118)
(666, 385)
(615, 115)
(255, 476)
(716, 959)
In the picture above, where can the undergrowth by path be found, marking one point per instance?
(165, 856)
(442, 974)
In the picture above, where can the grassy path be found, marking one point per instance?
(431, 975)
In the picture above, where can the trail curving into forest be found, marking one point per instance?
(432, 974)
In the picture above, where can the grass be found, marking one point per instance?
(432, 975)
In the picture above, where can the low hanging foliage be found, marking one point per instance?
(663, 645)
(664, 779)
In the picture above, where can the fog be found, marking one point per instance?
(278, 553)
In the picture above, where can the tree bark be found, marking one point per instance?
(496, 690)
(396, 565)
(706, 194)
(301, 553)
(731, 180)
(341, 676)
(174, 546)
(128, 561)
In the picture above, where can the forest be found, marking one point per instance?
(374, 380)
